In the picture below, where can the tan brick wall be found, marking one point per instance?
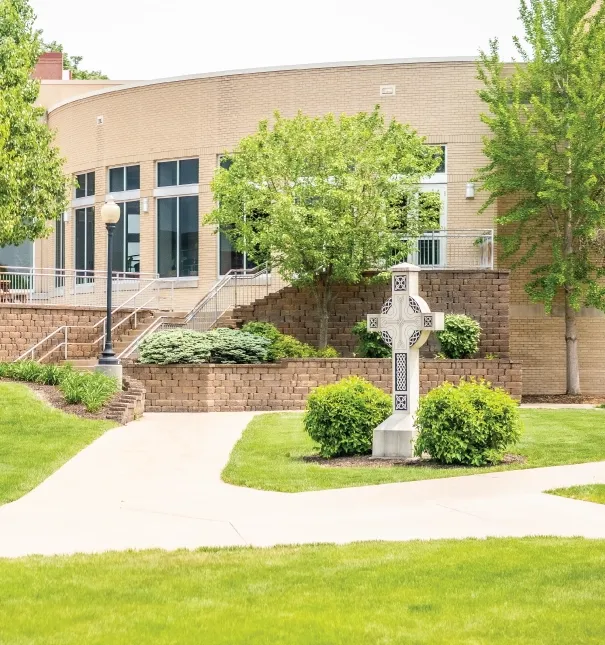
(286, 385)
(483, 295)
(22, 327)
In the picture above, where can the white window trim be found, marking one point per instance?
(178, 280)
(83, 202)
(177, 191)
(125, 196)
(178, 175)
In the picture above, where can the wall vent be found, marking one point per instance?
(387, 90)
(100, 120)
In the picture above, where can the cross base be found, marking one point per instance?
(394, 437)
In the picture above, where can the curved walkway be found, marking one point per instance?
(156, 484)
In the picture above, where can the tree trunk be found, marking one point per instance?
(323, 296)
(571, 341)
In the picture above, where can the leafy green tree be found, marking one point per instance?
(325, 198)
(72, 63)
(547, 157)
(33, 188)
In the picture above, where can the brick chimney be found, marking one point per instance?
(49, 67)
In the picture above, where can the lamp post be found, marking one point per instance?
(110, 214)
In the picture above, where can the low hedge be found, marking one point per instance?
(92, 389)
(284, 346)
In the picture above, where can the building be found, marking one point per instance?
(155, 145)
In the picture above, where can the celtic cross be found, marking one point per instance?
(405, 324)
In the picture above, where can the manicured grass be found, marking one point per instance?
(534, 591)
(268, 456)
(589, 493)
(35, 440)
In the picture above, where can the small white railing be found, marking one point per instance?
(68, 287)
(456, 249)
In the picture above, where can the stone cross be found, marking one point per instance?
(405, 324)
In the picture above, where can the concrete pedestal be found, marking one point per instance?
(113, 371)
(394, 438)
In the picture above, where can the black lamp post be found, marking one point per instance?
(110, 214)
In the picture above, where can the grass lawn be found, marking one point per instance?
(493, 592)
(589, 493)
(268, 456)
(35, 440)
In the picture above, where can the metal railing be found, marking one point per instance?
(238, 287)
(460, 249)
(68, 287)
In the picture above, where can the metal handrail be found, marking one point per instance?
(123, 305)
(32, 350)
(137, 341)
(121, 322)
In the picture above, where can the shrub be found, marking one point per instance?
(341, 417)
(236, 346)
(370, 344)
(284, 346)
(460, 339)
(175, 346)
(471, 423)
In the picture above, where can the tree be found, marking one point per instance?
(33, 188)
(547, 157)
(325, 198)
(72, 63)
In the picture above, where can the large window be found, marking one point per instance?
(124, 178)
(60, 250)
(85, 243)
(184, 172)
(178, 237)
(127, 239)
(17, 256)
(85, 185)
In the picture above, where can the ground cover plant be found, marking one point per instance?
(589, 493)
(540, 591)
(92, 389)
(35, 440)
(271, 455)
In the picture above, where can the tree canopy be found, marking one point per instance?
(325, 198)
(33, 188)
(546, 156)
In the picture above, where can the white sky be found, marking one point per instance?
(141, 39)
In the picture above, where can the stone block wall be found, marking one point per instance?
(286, 385)
(483, 295)
(22, 326)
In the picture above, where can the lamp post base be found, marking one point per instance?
(394, 438)
(113, 370)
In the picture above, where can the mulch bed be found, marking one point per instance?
(564, 399)
(53, 397)
(367, 461)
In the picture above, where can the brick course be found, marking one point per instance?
(286, 385)
(483, 295)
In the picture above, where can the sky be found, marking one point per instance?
(144, 39)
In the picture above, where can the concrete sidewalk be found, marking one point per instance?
(156, 484)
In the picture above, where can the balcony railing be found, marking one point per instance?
(460, 249)
(71, 288)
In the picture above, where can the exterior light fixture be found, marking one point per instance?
(470, 190)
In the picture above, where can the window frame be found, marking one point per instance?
(124, 241)
(84, 278)
(86, 174)
(178, 184)
(178, 197)
(125, 190)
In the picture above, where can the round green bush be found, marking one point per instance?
(341, 417)
(268, 330)
(284, 346)
(175, 346)
(470, 424)
(236, 346)
(461, 336)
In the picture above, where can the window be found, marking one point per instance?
(85, 185)
(60, 250)
(178, 237)
(442, 153)
(127, 239)
(17, 256)
(124, 178)
(85, 244)
(178, 173)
